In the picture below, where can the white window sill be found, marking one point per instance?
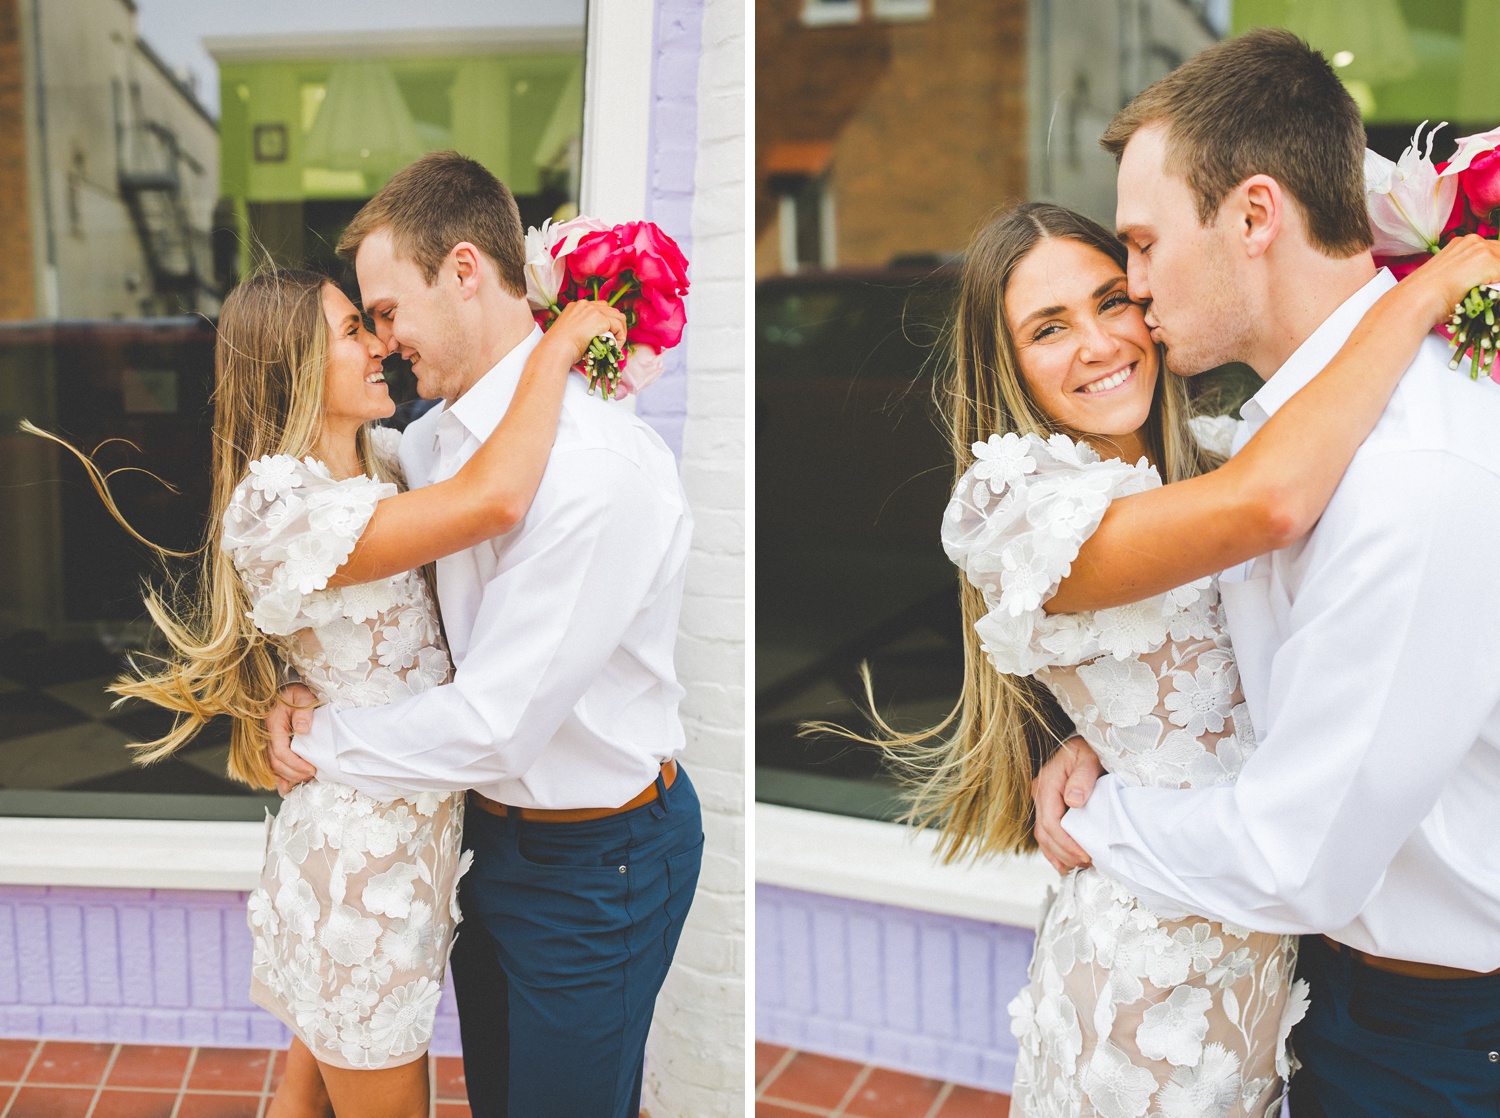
(131, 853)
(886, 863)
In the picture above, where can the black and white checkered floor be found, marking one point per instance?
(58, 730)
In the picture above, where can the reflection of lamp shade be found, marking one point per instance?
(363, 123)
(556, 150)
(1373, 32)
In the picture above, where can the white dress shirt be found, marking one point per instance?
(1369, 654)
(562, 631)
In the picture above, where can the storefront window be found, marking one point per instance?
(914, 122)
(149, 201)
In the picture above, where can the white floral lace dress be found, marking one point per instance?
(356, 908)
(1126, 1015)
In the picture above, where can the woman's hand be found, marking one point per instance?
(579, 324)
(1443, 281)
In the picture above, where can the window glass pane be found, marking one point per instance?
(918, 121)
(163, 169)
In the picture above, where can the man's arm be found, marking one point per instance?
(557, 608)
(1390, 668)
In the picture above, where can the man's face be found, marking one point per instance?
(1183, 269)
(421, 321)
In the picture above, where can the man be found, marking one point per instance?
(1369, 651)
(562, 715)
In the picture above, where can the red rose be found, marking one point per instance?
(1481, 182)
(658, 260)
(1402, 266)
(598, 254)
(660, 317)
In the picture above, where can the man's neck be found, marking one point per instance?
(512, 325)
(1298, 307)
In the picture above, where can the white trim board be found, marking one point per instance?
(131, 853)
(887, 863)
(618, 67)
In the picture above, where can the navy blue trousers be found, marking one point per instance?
(567, 934)
(1378, 1045)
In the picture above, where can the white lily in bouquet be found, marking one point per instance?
(1417, 206)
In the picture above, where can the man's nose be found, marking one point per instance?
(1136, 285)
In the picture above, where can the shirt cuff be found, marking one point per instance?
(318, 748)
(1093, 827)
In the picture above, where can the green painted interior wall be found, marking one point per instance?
(510, 112)
(1452, 43)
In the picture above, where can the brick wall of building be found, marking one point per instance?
(914, 991)
(17, 291)
(139, 966)
(695, 1065)
(927, 119)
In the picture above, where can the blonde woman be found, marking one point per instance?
(313, 560)
(1088, 587)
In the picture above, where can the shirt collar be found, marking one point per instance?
(481, 408)
(1314, 353)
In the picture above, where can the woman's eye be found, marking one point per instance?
(1115, 301)
(1046, 332)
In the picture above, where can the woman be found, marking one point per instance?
(313, 560)
(1088, 588)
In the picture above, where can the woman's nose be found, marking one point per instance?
(1094, 342)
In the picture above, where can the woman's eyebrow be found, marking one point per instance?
(1045, 312)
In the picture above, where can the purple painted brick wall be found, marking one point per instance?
(135, 966)
(669, 189)
(909, 990)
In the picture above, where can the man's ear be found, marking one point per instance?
(468, 267)
(1259, 210)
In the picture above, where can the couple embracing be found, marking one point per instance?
(497, 739)
(1282, 665)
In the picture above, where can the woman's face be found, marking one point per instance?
(1085, 353)
(355, 387)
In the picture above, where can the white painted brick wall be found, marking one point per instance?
(695, 1064)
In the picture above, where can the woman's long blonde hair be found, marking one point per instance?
(970, 775)
(270, 361)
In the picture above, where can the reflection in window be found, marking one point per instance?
(150, 210)
(820, 13)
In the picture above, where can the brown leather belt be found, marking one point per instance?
(575, 814)
(1405, 966)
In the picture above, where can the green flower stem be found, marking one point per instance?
(1474, 331)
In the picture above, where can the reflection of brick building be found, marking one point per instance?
(109, 166)
(893, 127)
(921, 125)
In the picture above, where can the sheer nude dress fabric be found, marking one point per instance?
(1126, 1015)
(355, 912)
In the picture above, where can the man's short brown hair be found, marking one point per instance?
(1262, 104)
(438, 201)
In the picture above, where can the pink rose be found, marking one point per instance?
(642, 367)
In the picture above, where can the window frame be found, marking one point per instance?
(219, 854)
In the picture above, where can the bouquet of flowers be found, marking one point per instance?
(1417, 206)
(634, 267)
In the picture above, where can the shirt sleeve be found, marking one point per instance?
(289, 526)
(559, 605)
(1389, 669)
(1015, 524)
